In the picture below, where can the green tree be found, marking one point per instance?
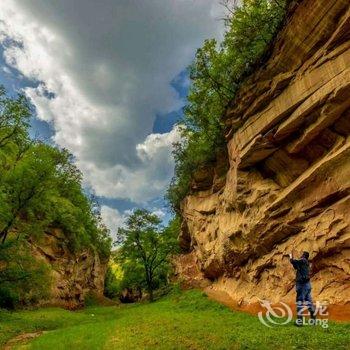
(40, 189)
(23, 280)
(14, 119)
(143, 242)
(216, 74)
(27, 188)
(133, 275)
(111, 284)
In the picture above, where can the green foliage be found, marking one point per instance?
(216, 74)
(14, 120)
(145, 249)
(111, 284)
(23, 280)
(40, 189)
(133, 274)
(92, 299)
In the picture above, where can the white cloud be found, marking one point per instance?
(146, 181)
(6, 70)
(109, 66)
(160, 213)
(113, 219)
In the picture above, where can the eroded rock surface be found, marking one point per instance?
(73, 275)
(288, 184)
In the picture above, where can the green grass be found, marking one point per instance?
(185, 320)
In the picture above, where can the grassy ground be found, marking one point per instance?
(181, 321)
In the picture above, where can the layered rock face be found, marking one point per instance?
(287, 188)
(73, 275)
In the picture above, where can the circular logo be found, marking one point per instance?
(278, 314)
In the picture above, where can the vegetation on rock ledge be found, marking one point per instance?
(216, 74)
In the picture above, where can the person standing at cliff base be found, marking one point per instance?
(303, 286)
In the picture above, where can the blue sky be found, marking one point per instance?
(15, 82)
(108, 82)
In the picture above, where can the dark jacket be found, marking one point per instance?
(302, 268)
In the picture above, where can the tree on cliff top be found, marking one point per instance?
(145, 243)
(216, 74)
(40, 189)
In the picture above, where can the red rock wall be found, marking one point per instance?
(288, 184)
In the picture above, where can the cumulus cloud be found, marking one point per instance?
(113, 219)
(143, 183)
(104, 71)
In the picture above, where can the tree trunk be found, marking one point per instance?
(4, 236)
(149, 281)
(5, 231)
(150, 293)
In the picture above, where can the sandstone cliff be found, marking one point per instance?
(73, 276)
(287, 187)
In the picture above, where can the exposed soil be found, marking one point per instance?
(22, 339)
(335, 312)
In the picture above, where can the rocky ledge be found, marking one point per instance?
(73, 276)
(287, 187)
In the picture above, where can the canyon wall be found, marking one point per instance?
(287, 187)
(73, 276)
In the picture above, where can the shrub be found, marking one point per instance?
(23, 280)
(111, 285)
(216, 74)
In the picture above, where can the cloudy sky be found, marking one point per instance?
(108, 82)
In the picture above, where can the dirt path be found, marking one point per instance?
(22, 339)
(336, 312)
